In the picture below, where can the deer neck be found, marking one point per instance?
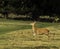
(33, 28)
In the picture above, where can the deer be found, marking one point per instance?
(39, 31)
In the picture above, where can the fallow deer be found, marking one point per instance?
(39, 31)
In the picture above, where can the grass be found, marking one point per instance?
(16, 34)
(45, 24)
(12, 25)
(9, 28)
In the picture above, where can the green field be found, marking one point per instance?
(16, 34)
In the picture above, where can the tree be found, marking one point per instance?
(35, 7)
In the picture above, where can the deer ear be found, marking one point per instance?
(34, 21)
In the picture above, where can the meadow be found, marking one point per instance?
(16, 34)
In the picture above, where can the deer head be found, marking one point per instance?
(33, 23)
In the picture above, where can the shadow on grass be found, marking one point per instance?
(38, 47)
(10, 28)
